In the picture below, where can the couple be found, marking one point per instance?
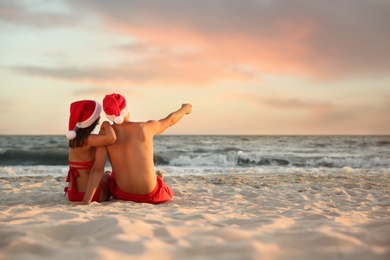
(129, 147)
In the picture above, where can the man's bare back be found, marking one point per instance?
(131, 155)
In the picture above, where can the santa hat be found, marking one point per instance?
(114, 106)
(83, 113)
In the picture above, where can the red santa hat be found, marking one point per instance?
(114, 106)
(83, 113)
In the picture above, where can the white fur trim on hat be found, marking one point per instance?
(95, 115)
(71, 135)
(119, 119)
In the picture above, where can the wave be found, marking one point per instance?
(242, 159)
(217, 158)
(48, 156)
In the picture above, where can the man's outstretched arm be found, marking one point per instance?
(161, 125)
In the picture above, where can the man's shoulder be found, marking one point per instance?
(142, 130)
(137, 127)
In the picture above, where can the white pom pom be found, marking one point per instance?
(71, 135)
(119, 120)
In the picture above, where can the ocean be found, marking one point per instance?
(214, 154)
(236, 197)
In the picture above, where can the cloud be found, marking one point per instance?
(313, 111)
(159, 69)
(178, 42)
(322, 40)
(281, 102)
(23, 14)
(323, 117)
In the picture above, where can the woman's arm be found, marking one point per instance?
(105, 137)
(96, 174)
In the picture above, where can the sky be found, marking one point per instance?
(256, 67)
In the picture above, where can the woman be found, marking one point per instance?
(87, 153)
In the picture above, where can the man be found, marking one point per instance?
(133, 175)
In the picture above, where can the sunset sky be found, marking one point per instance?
(266, 67)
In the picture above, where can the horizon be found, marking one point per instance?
(258, 135)
(247, 67)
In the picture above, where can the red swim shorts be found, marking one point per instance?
(161, 192)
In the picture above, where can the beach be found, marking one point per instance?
(294, 215)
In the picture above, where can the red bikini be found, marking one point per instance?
(73, 174)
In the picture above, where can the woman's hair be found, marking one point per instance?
(82, 135)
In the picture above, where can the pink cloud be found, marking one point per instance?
(319, 40)
(201, 42)
(278, 54)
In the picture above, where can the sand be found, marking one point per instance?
(287, 216)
